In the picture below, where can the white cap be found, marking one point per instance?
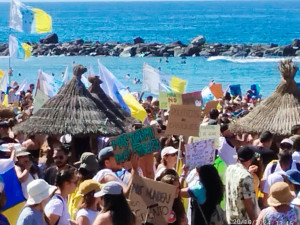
(168, 150)
(287, 140)
(296, 200)
(154, 122)
(110, 188)
(38, 190)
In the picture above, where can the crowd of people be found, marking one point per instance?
(254, 179)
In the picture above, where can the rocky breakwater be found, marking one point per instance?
(50, 46)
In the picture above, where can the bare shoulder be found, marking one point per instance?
(103, 219)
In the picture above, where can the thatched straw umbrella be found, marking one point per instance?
(277, 113)
(112, 109)
(72, 111)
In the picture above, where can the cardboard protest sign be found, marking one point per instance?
(200, 153)
(193, 98)
(209, 106)
(141, 141)
(146, 193)
(168, 98)
(208, 132)
(216, 90)
(185, 120)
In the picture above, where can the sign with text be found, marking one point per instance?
(151, 200)
(168, 98)
(208, 132)
(200, 153)
(184, 120)
(142, 142)
(193, 98)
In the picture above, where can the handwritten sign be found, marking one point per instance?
(209, 131)
(142, 142)
(200, 153)
(209, 106)
(146, 192)
(168, 98)
(193, 98)
(185, 120)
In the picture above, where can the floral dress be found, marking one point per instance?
(272, 217)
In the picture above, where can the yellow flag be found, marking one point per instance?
(178, 84)
(27, 49)
(136, 109)
(5, 101)
(43, 21)
(1, 73)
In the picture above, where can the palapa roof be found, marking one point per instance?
(112, 109)
(72, 111)
(277, 113)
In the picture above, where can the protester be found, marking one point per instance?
(279, 210)
(88, 208)
(39, 192)
(60, 156)
(25, 170)
(56, 209)
(206, 197)
(169, 159)
(115, 209)
(241, 203)
(178, 215)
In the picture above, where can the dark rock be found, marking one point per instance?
(166, 54)
(192, 49)
(3, 46)
(272, 45)
(289, 51)
(296, 43)
(79, 42)
(297, 53)
(50, 39)
(138, 40)
(175, 44)
(179, 51)
(128, 51)
(205, 53)
(199, 40)
(5, 52)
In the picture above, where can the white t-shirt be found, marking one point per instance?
(102, 173)
(296, 156)
(58, 206)
(226, 152)
(25, 183)
(90, 214)
(268, 172)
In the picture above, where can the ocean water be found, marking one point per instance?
(224, 22)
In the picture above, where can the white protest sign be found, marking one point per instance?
(155, 195)
(200, 153)
(208, 132)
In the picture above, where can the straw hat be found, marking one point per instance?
(38, 190)
(280, 194)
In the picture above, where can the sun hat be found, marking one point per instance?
(109, 188)
(245, 153)
(105, 153)
(280, 194)
(293, 176)
(168, 150)
(88, 161)
(87, 186)
(296, 201)
(287, 141)
(23, 152)
(38, 190)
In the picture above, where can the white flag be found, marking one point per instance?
(152, 81)
(16, 17)
(66, 77)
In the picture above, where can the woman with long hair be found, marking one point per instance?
(169, 159)
(115, 209)
(88, 208)
(56, 209)
(177, 216)
(33, 212)
(206, 197)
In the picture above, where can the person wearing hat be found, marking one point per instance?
(88, 208)
(5, 136)
(115, 209)
(279, 210)
(286, 144)
(25, 170)
(168, 160)
(39, 192)
(241, 203)
(109, 167)
(88, 167)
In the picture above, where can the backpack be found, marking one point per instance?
(57, 196)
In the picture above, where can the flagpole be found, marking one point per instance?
(8, 51)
